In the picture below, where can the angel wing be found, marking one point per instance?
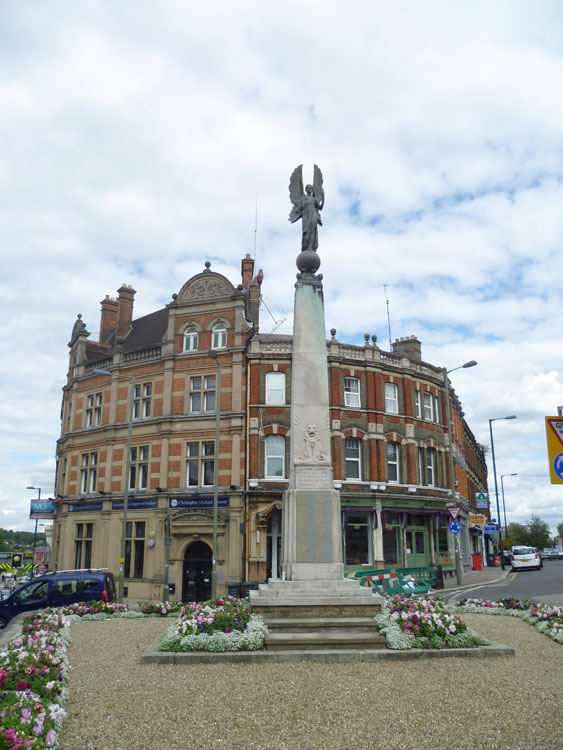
(296, 193)
(318, 191)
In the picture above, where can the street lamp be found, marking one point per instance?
(35, 534)
(121, 584)
(496, 419)
(213, 354)
(446, 372)
(515, 474)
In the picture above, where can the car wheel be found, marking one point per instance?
(3, 623)
(513, 570)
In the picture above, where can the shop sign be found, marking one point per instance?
(84, 507)
(481, 501)
(148, 502)
(477, 520)
(490, 528)
(42, 510)
(197, 502)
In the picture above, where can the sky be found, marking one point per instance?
(140, 140)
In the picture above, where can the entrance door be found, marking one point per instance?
(196, 583)
(416, 548)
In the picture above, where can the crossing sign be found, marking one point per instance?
(454, 512)
(554, 436)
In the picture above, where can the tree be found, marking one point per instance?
(538, 533)
(560, 532)
(518, 534)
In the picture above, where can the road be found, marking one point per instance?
(544, 585)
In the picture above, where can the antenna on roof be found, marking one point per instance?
(388, 317)
(255, 226)
(277, 323)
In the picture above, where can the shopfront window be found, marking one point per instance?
(358, 539)
(391, 539)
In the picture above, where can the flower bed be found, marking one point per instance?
(548, 619)
(221, 625)
(424, 623)
(160, 609)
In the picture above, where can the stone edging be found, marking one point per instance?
(151, 655)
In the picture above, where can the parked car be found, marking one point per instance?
(57, 589)
(549, 553)
(525, 557)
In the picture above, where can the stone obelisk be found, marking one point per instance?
(312, 545)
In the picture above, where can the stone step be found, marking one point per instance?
(320, 610)
(326, 624)
(310, 592)
(331, 585)
(311, 600)
(324, 640)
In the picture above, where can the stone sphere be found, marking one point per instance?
(308, 260)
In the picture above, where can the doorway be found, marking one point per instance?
(196, 578)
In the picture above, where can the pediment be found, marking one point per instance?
(205, 286)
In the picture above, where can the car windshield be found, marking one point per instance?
(524, 551)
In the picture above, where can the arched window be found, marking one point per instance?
(191, 337)
(275, 456)
(219, 340)
(392, 462)
(275, 388)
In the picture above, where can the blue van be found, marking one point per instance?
(57, 589)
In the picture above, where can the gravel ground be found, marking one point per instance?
(118, 704)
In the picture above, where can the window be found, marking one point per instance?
(142, 401)
(139, 468)
(352, 392)
(200, 463)
(275, 388)
(427, 406)
(219, 338)
(391, 398)
(134, 549)
(65, 587)
(430, 467)
(93, 410)
(202, 394)
(89, 472)
(275, 456)
(358, 539)
(392, 462)
(352, 448)
(191, 338)
(84, 533)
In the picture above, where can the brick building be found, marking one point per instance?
(388, 433)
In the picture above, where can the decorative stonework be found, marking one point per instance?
(312, 442)
(205, 286)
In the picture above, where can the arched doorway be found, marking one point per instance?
(196, 578)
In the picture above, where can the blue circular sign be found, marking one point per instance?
(455, 527)
(558, 465)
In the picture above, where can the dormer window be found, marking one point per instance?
(219, 339)
(191, 339)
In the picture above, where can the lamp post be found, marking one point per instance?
(121, 584)
(496, 419)
(515, 474)
(446, 372)
(213, 354)
(35, 534)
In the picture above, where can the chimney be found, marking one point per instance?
(247, 269)
(124, 309)
(108, 322)
(253, 305)
(408, 347)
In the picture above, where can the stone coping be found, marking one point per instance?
(151, 655)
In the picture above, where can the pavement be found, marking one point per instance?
(473, 578)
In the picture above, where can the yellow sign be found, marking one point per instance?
(477, 520)
(554, 436)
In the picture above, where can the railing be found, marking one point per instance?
(150, 352)
(275, 347)
(99, 364)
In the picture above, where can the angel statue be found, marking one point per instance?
(306, 205)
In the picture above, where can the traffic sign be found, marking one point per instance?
(554, 435)
(455, 527)
(454, 512)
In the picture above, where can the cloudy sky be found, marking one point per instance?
(140, 140)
